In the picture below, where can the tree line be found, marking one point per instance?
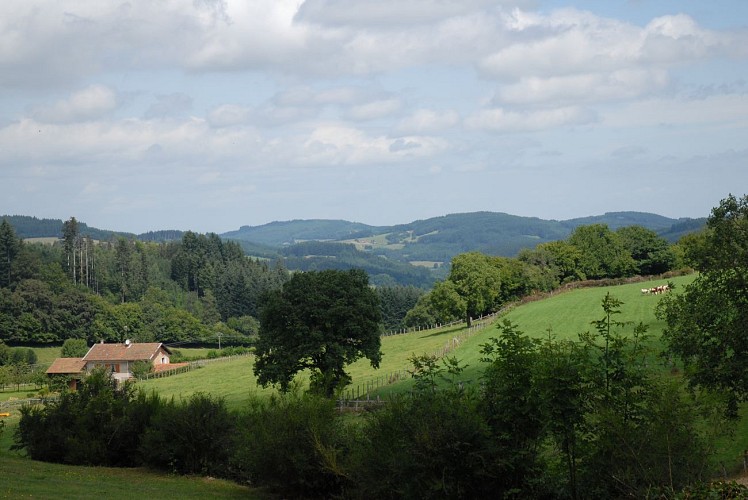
(189, 290)
(479, 284)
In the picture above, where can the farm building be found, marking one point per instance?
(119, 358)
(71, 367)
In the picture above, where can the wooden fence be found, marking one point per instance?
(361, 396)
(191, 366)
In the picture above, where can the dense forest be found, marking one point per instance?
(184, 291)
(193, 289)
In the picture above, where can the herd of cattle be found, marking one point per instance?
(655, 290)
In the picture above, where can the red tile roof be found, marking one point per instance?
(124, 352)
(62, 366)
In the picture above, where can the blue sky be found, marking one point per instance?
(209, 115)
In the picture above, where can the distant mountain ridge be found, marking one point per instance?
(415, 253)
(496, 223)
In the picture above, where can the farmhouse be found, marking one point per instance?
(118, 358)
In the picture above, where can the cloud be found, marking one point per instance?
(93, 102)
(375, 109)
(428, 121)
(502, 120)
(570, 42)
(169, 106)
(336, 144)
(587, 87)
(228, 115)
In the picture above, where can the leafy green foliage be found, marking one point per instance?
(141, 368)
(195, 436)
(431, 444)
(706, 323)
(617, 428)
(395, 302)
(74, 348)
(321, 321)
(293, 444)
(603, 254)
(651, 253)
(98, 424)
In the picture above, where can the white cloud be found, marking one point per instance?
(428, 121)
(502, 120)
(375, 109)
(228, 115)
(390, 13)
(336, 144)
(569, 41)
(95, 101)
(586, 87)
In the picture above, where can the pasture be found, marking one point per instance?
(564, 315)
(24, 478)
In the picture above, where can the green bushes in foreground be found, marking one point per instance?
(548, 419)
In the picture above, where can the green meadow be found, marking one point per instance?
(563, 315)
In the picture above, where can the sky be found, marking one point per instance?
(213, 114)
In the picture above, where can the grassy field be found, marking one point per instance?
(24, 478)
(565, 314)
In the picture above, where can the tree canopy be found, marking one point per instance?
(320, 320)
(707, 323)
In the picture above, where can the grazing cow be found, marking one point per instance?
(645, 291)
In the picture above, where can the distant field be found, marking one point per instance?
(567, 314)
(425, 263)
(44, 241)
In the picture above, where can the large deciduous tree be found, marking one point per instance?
(603, 254)
(707, 323)
(477, 280)
(651, 253)
(321, 321)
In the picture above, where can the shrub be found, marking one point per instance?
(191, 437)
(141, 368)
(98, 424)
(293, 444)
(429, 445)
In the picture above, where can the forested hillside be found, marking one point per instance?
(185, 291)
(417, 253)
(438, 239)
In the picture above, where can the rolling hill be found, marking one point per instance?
(415, 253)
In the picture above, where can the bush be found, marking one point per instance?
(141, 368)
(97, 425)
(293, 444)
(430, 445)
(191, 437)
